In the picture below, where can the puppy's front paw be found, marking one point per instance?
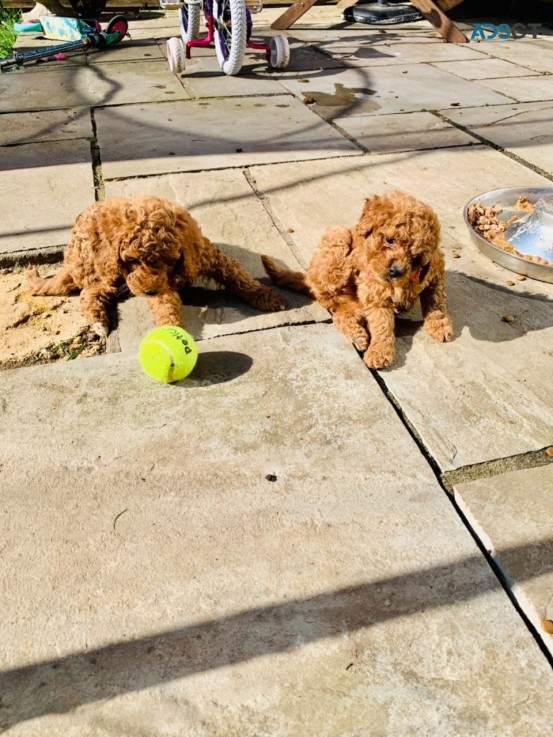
(379, 356)
(100, 328)
(360, 339)
(439, 327)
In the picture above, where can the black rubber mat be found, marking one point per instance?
(382, 14)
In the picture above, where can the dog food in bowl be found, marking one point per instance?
(487, 223)
(514, 228)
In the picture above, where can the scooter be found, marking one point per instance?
(86, 34)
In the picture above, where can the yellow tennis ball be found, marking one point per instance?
(168, 354)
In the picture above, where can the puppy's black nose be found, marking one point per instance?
(395, 271)
(150, 292)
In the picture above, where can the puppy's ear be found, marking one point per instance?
(178, 266)
(126, 259)
(370, 216)
(426, 226)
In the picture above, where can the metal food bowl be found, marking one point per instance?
(539, 224)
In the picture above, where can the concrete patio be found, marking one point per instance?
(285, 544)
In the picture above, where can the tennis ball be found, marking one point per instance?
(168, 353)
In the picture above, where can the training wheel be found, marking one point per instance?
(280, 52)
(176, 55)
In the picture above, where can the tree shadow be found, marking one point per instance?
(64, 683)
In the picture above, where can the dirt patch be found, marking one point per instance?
(41, 329)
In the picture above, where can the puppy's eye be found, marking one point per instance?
(389, 241)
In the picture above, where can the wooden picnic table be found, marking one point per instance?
(433, 10)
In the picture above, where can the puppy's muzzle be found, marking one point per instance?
(394, 272)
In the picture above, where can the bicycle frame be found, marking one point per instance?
(207, 7)
(228, 28)
(208, 38)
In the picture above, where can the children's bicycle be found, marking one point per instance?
(229, 27)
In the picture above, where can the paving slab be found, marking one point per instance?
(535, 54)
(134, 50)
(305, 56)
(160, 33)
(96, 84)
(482, 68)
(248, 570)
(203, 77)
(387, 89)
(165, 19)
(511, 514)
(124, 83)
(44, 125)
(524, 89)
(43, 187)
(521, 128)
(403, 132)
(163, 26)
(232, 216)
(59, 88)
(383, 51)
(212, 134)
(358, 34)
(467, 413)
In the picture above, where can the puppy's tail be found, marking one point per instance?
(294, 280)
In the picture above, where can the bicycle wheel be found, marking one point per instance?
(189, 21)
(231, 34)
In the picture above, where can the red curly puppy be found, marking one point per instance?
(153, 246)
(366, 274)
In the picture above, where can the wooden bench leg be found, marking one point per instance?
(440, 21)
(429, 10)
(294, 13)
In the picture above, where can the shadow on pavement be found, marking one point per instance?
(63, 684)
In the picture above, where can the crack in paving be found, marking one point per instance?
(532, 459)
(264, 200)
(98, 177)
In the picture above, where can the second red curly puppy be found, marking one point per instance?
(366, 274)
(156, 248)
